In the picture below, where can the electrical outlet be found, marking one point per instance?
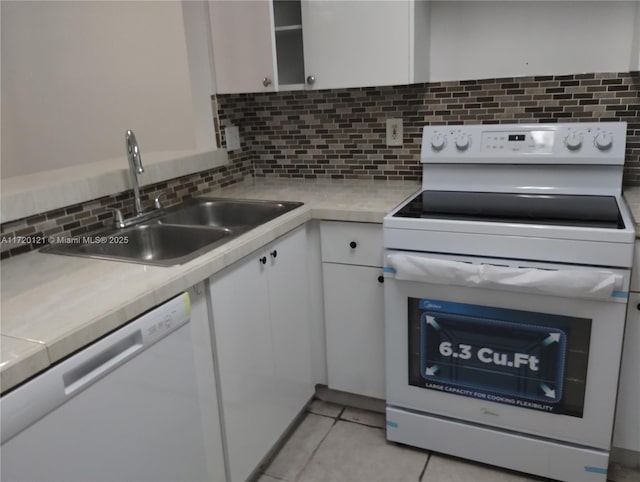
(394, 132)
(232, 136)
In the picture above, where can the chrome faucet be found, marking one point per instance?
(135, 167)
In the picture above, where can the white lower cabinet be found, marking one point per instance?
(202, 353)
(353, 307)
(626, 429)
(262, 331)
(626, 432)
(354, 322)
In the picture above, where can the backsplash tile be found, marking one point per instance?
(341, 133)
(89, 216)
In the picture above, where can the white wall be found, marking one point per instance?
(488, 39)
(198, 37)
(635, 49)
(76, 75)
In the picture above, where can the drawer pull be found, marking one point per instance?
(263, 260)
(380, 279)
(353, 244)
(274, 253)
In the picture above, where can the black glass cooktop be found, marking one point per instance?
(554, 209)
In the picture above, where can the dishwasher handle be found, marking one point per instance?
(99, 365)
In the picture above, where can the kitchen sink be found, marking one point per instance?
(229, 213)
(177, 234)
(154, 244)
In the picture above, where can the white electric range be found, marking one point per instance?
(506, 286)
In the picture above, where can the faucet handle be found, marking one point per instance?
(118, 219)
(156, 202)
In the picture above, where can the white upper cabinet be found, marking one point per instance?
(480, 40)
(354, 43)
(318, 44)
(289, 52)
(243, 43)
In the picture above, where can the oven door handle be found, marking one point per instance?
(581, 283)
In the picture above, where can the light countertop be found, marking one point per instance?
(53, 305)
(632, 196)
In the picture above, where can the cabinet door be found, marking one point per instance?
(290, 324)
(206, 380)
(626, 432)
(353, 43)
(316, 305)
(243, 46)
(354, 321)
(240, 309)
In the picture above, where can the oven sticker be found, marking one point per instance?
(506, 356)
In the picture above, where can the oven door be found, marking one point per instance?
(537, 357)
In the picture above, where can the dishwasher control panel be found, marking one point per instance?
(162, 322)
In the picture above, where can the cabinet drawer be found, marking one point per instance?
(351, 243)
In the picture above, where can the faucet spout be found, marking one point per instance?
(135, 167)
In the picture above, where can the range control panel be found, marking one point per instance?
(562, 143)
(530, 141)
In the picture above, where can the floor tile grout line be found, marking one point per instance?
(356, 421)
(273, 477)
(307, 413)
(322, 415)
(313, 452)
(340, 412)
(424, 469)
(360, 423)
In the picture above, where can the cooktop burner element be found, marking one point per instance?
(550, 209)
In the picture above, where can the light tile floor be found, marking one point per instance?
(341, 444)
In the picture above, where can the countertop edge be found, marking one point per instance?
(22, 368)
(36, 357)
(33, 358)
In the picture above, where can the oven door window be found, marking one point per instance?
(532, 360)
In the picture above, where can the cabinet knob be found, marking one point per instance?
(380, 279)
(274, 253)
(638, 306)
(266, 81)
(353, 244)
(311, 79)
(263, 260)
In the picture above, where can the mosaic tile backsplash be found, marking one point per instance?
(89, 216)
(340, 134)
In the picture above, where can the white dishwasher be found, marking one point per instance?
(137, 405)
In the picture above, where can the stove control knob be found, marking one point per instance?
(462, 142)
(438, 141)
(573, 141)
(603, 141)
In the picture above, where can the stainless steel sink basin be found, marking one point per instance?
(178, 234)
(154, 244)
(229, 213)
